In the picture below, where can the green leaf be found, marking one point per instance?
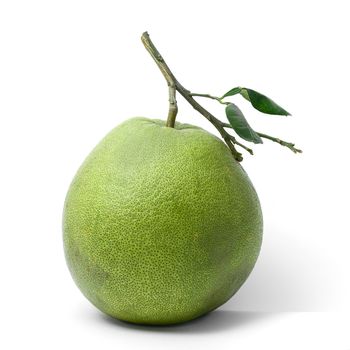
(232, 92)
(262, 103)
(240, 124)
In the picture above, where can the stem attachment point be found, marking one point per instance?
(174, 86)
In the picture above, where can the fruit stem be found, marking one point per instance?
(174, 86)
(172, 107)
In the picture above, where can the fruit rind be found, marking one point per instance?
(161, 225)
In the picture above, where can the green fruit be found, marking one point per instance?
(161, 225)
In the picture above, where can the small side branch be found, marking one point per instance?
(249, 150)
(281, 142)
(211, 97)
(274, 139)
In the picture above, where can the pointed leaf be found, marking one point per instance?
(232, 92)
(262, 103)
(240, 124)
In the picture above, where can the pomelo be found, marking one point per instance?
(161, 225)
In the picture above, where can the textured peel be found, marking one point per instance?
(161, 225)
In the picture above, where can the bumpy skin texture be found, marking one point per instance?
(161, 225)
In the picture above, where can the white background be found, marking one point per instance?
(72, 70)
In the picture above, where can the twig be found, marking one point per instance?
(174, 84)
(274, 139)
(211, 97)
(281, 142)
(168, 75)
(241, 145)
